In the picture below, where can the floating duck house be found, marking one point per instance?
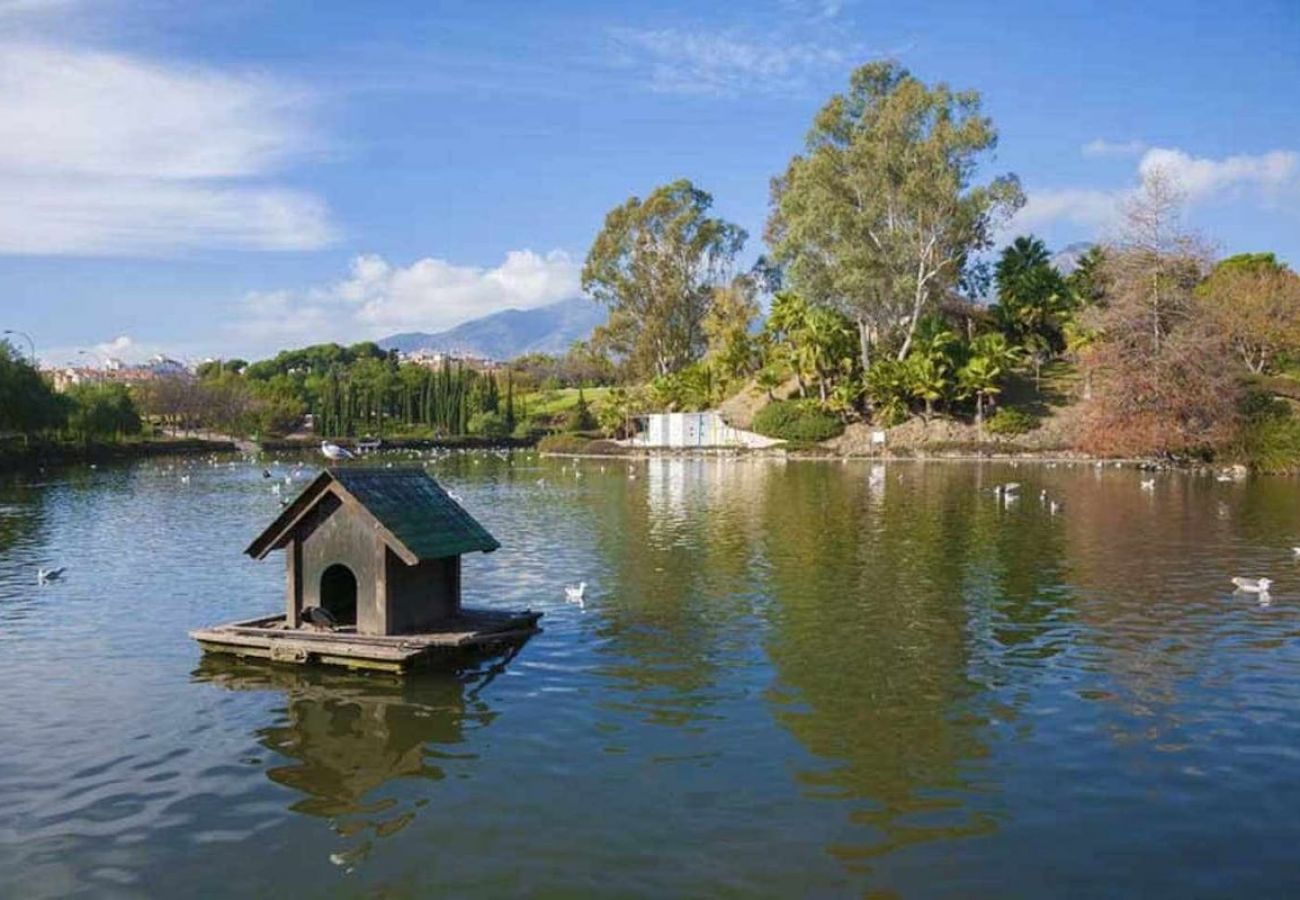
(372, 577)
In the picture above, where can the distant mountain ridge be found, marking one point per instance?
(510, 333)
(1066, 260)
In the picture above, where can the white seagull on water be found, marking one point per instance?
(575, 592)
(45, 576)
(1252, 585)
(334, 451)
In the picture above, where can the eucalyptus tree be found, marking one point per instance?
(880, 217)
(655, 265)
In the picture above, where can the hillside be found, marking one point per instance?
(510, 333)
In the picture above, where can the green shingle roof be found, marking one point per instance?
(415, 510)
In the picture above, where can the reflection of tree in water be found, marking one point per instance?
(678, 542)
(888, 602)
(347, 738)
(1158, 605)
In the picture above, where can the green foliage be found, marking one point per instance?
(733, 350)
(816, 343)
(690, 389)
(797, 420)
(889, 389)
(488, 424)
(880, 217)
(28, 404)
(1033, 299)
(1272, 445)
(655, 265)
(1269, 437)
(563, 443)
(580, 418)
(1010, 422)
(1088, 282)
(102, 411)
(614, 412)
(1255, 263)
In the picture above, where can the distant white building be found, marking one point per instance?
(684, 431)
(165, 366)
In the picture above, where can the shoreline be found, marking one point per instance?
(803, 455)
(16, 457)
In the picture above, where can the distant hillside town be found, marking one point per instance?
(115, 370)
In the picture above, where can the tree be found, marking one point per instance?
(28, 404)
(812, 340)
(1033, 298)
(991, 358)
(655, 265)
(1087, 283)
(102, 411)
(1160, 385)
(732, 347)
(931, 363)
(580, 418)
(1255, 301)
(879, 218)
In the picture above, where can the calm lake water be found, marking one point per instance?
(787, 680)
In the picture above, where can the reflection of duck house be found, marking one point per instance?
(378, 551)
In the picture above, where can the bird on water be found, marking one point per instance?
(45, 576)
(1252, 585)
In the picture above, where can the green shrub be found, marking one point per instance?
(564, 443)
(488, 424)
(797, 420)
(1272, 445)
(1269, 439)
(580, 418)
(1008, 421)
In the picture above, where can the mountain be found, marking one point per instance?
(509, 333)
(1066, 260)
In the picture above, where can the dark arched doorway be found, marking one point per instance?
(338, 594)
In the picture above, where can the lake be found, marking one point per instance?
(788, 679)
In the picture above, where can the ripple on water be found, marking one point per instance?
(900, 684)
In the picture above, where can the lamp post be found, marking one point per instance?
(30, 343)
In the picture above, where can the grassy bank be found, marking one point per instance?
(15, 454)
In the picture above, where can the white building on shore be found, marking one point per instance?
(696, 430)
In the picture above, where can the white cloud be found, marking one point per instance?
(1267, 177)
(104, 153)
(697, 62)
(1201, 178)
(379, 298)
(123, 347)
(1078, 206)
(1101, 147)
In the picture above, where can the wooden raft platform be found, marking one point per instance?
(473, 632)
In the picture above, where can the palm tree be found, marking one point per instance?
(931, 362)
(991, 358)
(1032, 295)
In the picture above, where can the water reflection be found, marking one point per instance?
(788, 680)
(872, 651)
(351, 746)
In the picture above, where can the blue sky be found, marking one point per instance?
(231, 178)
